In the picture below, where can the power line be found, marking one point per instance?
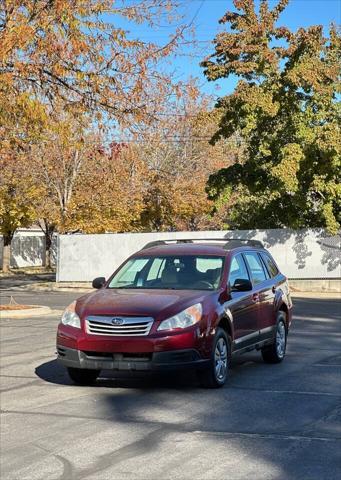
(163, 139)
(196, 13)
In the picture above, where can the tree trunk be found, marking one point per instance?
(6, 254)
(48, 231)
(48, 244)
(47, 263)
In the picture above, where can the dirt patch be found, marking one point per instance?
(17, 307)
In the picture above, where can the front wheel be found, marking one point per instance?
(275, 353)
(81, 376)
(215, 375)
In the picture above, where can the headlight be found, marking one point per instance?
(184, 319)
(70, 317)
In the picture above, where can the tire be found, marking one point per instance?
(82, 376)
(217, 372)
(275, 353)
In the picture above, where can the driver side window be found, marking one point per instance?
(238, 269)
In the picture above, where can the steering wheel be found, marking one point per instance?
(204, 283)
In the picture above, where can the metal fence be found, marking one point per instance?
(301, 254)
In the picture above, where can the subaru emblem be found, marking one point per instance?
(117, 321)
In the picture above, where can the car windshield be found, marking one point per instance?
(184, 272)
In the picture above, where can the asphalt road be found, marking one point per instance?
(270, 422)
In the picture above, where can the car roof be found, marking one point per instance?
(209, 248)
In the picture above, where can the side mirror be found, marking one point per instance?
(98, 282)
(241, 285)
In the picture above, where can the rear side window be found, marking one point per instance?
(238, 270)
(256, 268)
(270, 264)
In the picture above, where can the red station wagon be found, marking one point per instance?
(179, 304)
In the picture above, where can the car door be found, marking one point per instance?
(273, 286)
(243, 307)
(263, 292)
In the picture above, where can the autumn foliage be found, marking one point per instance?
(78, 94)
(96, 136)
(75, 52)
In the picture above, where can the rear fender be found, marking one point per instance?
(283, 302)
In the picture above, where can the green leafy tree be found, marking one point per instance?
(285, 108)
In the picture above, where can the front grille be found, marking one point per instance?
(118, 326)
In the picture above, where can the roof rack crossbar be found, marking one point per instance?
(227, 241)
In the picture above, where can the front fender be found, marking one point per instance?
(224, 314)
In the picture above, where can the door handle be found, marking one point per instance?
(255, 297)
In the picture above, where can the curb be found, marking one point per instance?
(29, 312)
(317, 295)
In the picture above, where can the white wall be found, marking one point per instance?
(299, 254)
(28, 249)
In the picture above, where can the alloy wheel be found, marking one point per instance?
(280, 340)
(220, 357)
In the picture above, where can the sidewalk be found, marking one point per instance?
(41, 282)
(27, 281)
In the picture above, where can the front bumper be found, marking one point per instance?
(169, 360)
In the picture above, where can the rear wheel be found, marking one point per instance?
(275, 353)
(82, 376)
(216, 374)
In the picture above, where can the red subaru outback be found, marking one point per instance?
(179, 304)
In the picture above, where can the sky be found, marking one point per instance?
(205, 15)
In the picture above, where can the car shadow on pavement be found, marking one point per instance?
(53, 372)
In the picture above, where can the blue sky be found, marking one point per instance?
(206, 13)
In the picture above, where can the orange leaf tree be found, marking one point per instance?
(75, 57)
(77, 52)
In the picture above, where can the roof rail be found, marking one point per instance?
(229, 242)
(240, 242)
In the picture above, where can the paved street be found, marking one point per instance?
(270, 422)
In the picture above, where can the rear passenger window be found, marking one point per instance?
(255, 264)
(270, 264)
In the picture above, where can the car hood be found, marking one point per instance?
(159, 304)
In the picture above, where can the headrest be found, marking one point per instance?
(169, 276)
